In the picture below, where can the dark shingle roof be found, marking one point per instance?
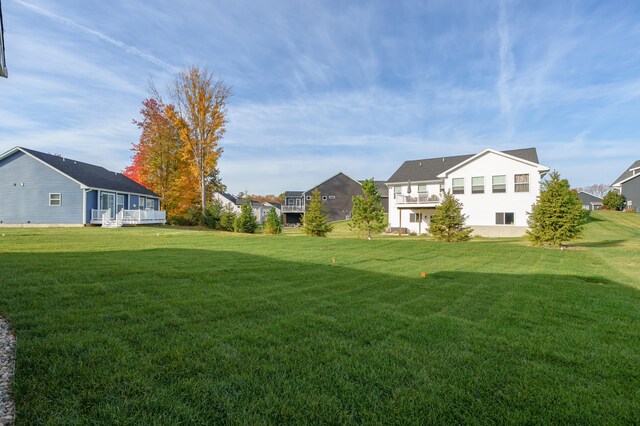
(628, 173)
(293, 193)
(229, 197)
(381, 186)
(587, 198)
(90, 175)
(430, 168)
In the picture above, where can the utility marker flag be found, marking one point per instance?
(3, 62)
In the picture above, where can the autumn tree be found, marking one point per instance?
(557, 215)
(448, 223)
(367, 214)
(158, 161)
(200, 117)
(314, 220)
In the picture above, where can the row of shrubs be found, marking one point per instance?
(225, 219)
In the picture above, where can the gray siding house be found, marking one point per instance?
(43, 189)
(590, 201)
(628, 184)
(336, 193)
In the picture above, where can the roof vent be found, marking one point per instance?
(443, 159)
(419, 164)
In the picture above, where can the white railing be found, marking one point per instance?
(292, 209)
(418, 199)
(144, 216)
(129, 217)
(97, 214)
(106, 217)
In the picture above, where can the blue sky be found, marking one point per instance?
(328, 86)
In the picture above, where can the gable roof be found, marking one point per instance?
(628, 174)
(293, 193)
(85, 174)
(229, 197)
(587, 198)
(333, 177)
(428, 169)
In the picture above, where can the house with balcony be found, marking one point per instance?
(336, 193)
(40, 189)
(496, 188)
(628, 184)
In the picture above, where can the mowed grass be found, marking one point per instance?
(175, 326)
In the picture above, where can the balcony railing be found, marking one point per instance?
(425, 199)
(292, 209)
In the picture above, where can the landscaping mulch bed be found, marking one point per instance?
(7, 363)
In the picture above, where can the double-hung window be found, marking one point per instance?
(499, 183)
(397, 190)
(457, 185)
(521, 183)
(422, 188)
(415, 217)
(477, 185)
(55, 199)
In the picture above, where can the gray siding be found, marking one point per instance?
(25, 185)
(342, 188)
(631, 191)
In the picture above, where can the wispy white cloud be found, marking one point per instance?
(506, 66)
(128, 48)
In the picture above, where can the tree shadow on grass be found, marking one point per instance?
(601, 243)
(201, 336)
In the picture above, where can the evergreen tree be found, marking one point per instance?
(227, 219)
(613, 201)
(273, 224)
(314, 221)
(557, 215)
(448, 222)
(246, 221)
(367, 214)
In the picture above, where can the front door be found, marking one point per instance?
(108, 201)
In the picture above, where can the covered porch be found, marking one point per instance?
(415, 219)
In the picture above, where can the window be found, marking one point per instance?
(500, 183)
(505, 218)
(457, 185)
(414, 217)
(422, 188)
(521, 183)
(332, 197)
(151, 203)
(477, 185)
(119, 202)
(142, 200)
(397, 190)
(308, 197)
(55, 200)
(324, 198)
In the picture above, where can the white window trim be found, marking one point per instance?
(59, 200)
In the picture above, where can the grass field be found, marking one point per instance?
(170, 326)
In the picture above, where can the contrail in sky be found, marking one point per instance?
(129, 49)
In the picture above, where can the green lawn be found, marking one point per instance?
(170, 326)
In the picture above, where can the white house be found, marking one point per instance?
(260, 210)
(496, 188)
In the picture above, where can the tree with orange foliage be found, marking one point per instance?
(200, 116)
(158, 161)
